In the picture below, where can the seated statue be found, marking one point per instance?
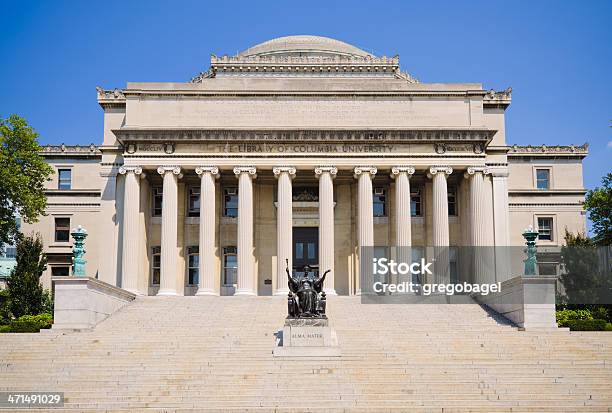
(306, 297)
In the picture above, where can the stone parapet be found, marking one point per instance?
(83, 302)
(529, 302)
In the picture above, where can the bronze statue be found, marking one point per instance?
(306, 297)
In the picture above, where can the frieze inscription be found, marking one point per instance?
(298, 148)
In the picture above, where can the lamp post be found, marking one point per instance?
(78, 251)
(530, 236)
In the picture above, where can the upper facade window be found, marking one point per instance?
(452, 201)
(158, 196)
(64, 179)
(230, 202)
(194, 201)
(543, 178)
(416, 202)
(62, 229)
(193, 268)
(380, 202)
(545, 228)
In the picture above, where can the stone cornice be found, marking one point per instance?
(501, 98)
(545, 150)
(110, 98)
(70, 150)
(478, 135)
(345, 66)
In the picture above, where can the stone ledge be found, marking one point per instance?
(83, 302)
(529, 302)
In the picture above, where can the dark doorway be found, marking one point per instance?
(305, 248)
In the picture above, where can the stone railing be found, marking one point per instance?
(83, 302)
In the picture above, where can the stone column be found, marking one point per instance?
(403, 234)
(403, 230)
(364, 174)
(477, 205)
(479, 227)
(208, 234)
(246, 264)
(131, 209)
(440, 222)
(284, 227)
(501, 218)
(500, 206)
(326, 174)
(440, 204)
(169, 244)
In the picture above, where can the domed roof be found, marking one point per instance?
(304, 46)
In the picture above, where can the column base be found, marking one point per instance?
(167, 293)
(282, 291)
(245, 292)
(206, 292)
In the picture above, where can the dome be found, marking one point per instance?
(304, 46)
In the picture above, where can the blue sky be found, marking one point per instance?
(556, 55)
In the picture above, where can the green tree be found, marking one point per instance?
(598, 203)
(24, 289)
(23, 173)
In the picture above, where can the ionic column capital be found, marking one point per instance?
(320, 170)
(445, 170)
(134, 169)
(278, 170)
(176, 170)
(213, 170)
(473, 170)
(251, 170)
(396, 170)
(362, 170)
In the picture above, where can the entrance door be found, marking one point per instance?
(305, 249)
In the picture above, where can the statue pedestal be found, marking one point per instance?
(307, 337)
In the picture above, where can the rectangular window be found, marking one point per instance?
(62, 229)
(299, 250)
(379, 198)
(230, 265)
(64, 178)
(193, 267)
(158, 197)
(312, 254)
(452, 201)
(60, 271)
(545, 228)
(155, 265)
(415, 202)
(230, 202)
(543, 178)
(194, 201)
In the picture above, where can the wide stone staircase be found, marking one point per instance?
(171, 354)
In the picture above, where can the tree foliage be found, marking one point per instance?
(585, 278)
(598, 203)
(24, 288)
(23, 173)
